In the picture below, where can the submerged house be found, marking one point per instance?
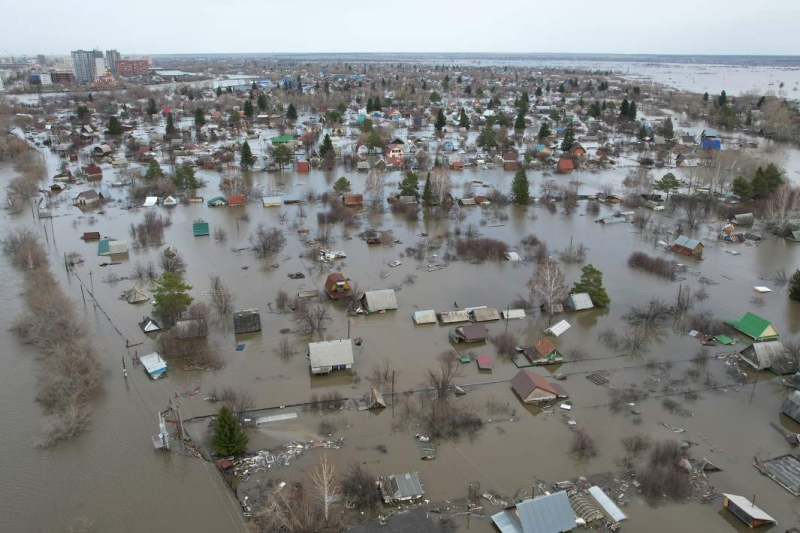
(427, 316)
(107, 247)
(148, 325)
(533, 388)
(769, 355)
(154, 365)
(200, 229)
(217, 201)
(88, 197)
(401, 487)
(791, 407)
(327, 356)
(687, 246)
(484, 314)
(337, 286)
(746, 511)
(543, 352)
(551, 513)
(469, 333)
(135, 295)
(377, 301)
(579, 301)
(757, 328)
(247, 321)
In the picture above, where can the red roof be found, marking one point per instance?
(303, 166)
(94, 171)
(236, 199)
(484, 361)
(566, 164)
(166, 111)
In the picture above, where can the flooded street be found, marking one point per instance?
(111, 477)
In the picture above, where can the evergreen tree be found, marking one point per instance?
(723, 99)
(591, 282)
(705, 97)
(667, 129)
(199, 117)
(520, 188)
(642, 134)
(561, 88)
(219, 92)
(262, 102)
(539, 91)
(773, 177)
(623, 109)
(171, 296)
(463, 119)
(370, 105)
(427, 191)
(632, 111)
(246, 156)
(409, 185)
(487, 138)
(519, 124)
(759, 184)
(248, 109)
(544, 131)
(151, 107)
(229, 437)
(114, 127)
(794, 286)
(668, 184)
(742, 188)
(282, 155)
(435, 97)
(184, 177)
(376, 103)
(342, 186)
(326, 147)
(153, 170)
(441, 121)
(233, 117)
(569, 138)
(374, 140)
(291, 112)
(170, 129)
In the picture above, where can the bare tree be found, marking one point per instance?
(221, 296)
(375, 185)
(266, 241)
(325, 479)
(284, 349)
(282, 300)
(220, 234)
(783, 207)
(238, 400)
(310, 316)
(441, 184)
(171, 262)
(441, 379)
(199, 312)
(358, 485)
(382, 374)
(548, 285)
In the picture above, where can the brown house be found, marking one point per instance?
(236, 200)
(337, 286)
(565, 166)
(469, 333)
(94, 173)
(354, 200)
(303, 166)
(533, 388)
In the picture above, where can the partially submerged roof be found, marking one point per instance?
(427, 316)
(405, 486)
(148, 325)
(272, 201)
(382, 300)
(511, 314)
(558, 328)
(200, 229)
(134, 295)
(451, 317)
(153, 364)
(485, 314)
(791, 407)
(150, 201)
(686, 242)
(770, 354)
(748, 507)
(550, 513)
(472, 332)
(580, 301)
(330, 353)
(756, 327)
(607, 504)
(785, 471)
(526, 381)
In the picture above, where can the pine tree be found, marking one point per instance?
(463, 119)
(170, 129)
(539, 91)
(247, 156)
(723, 99)
(427, 191)
(151, 107)
(291, 112)
(409, 186)
(184, 177)
(441, 121)
(794, 286)
(544, 131)
(262, 102)
(742, 188)
(591, 282)
(114, 127)
(229, 437)
(520, 193)
(171, 296)
(376, 104)
(342, 186)
(519, 124)
(370, 106)
(199, 117)
(632, 111)
(248, 109)
(153, 170)
(623, 109)
(569, 138)
(219, 92)
(326, 147)
(667, 129)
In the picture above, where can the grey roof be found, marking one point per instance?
(744, 219)
(545, 514)
(748, 507)
(329, 353)
(401, 486)
(451, 317)
(772, 355)
(425, 317)
(580, 301)
(485, 314)
(382, 300)
(785, 471)
(791, 407)
(686, 242)
(607, 504)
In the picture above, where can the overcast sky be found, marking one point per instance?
(763, 27)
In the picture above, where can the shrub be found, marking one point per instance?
(481, 249)
(655, 265)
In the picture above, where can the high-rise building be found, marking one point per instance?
(112, 56)
(84, 66)
(132, 67)
(41, 60)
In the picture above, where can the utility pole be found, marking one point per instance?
(124, 370)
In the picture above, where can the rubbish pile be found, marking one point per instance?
(265, 459)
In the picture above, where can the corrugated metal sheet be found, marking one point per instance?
(791, 407)
(580, 301)
(404, 486)
(425, 317)
(382, 300)
(785, 471)
(748, 507)
(451, 317)
(558, 329)
(607, 504)
(547, 514)
(507, 522)
(486, 314)
(513, 314)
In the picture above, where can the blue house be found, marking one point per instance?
(707, 143)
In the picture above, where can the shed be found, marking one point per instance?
(401, 487)
(236, 200)
(353, 200)
(150, 201)
(200, 229)
(154, 365)
(453, 317)
(757, 328)
(544, 352)
(106, 247)
(327, 356)
(687, 246)
(424, 317)
(247, 321)
(135, 295)
(791, 407)
(745, 219)
(469, 333)
(484, 314)
(770, 355)
(170, 201)
(484, 362)
(337, 286)
(303, 166)
(513, 314)
(558, 328)
(746, 511)
(380, 300)
(148, 325)
(533, 388)
(579, 301)
(550, 513)
(272, 201)
(91, 236)
(217, 201)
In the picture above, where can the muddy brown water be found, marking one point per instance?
(112, 478)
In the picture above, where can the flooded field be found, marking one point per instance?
(111, 478)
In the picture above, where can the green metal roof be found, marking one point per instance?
(724, 339)
(755, 327)
(282, 139)
(103, 247)
(200, 229)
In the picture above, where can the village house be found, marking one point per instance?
(395, 154)
(337, 286)
(469, 333)
(401, 487)
(88, 198)
(544, 352)
(757, 328)
(354, 200)
(533, 388)
(236, 200)
(687, 246)
(328, 356)
(550, 513)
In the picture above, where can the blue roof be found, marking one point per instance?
(711, 144)
(546, 514)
